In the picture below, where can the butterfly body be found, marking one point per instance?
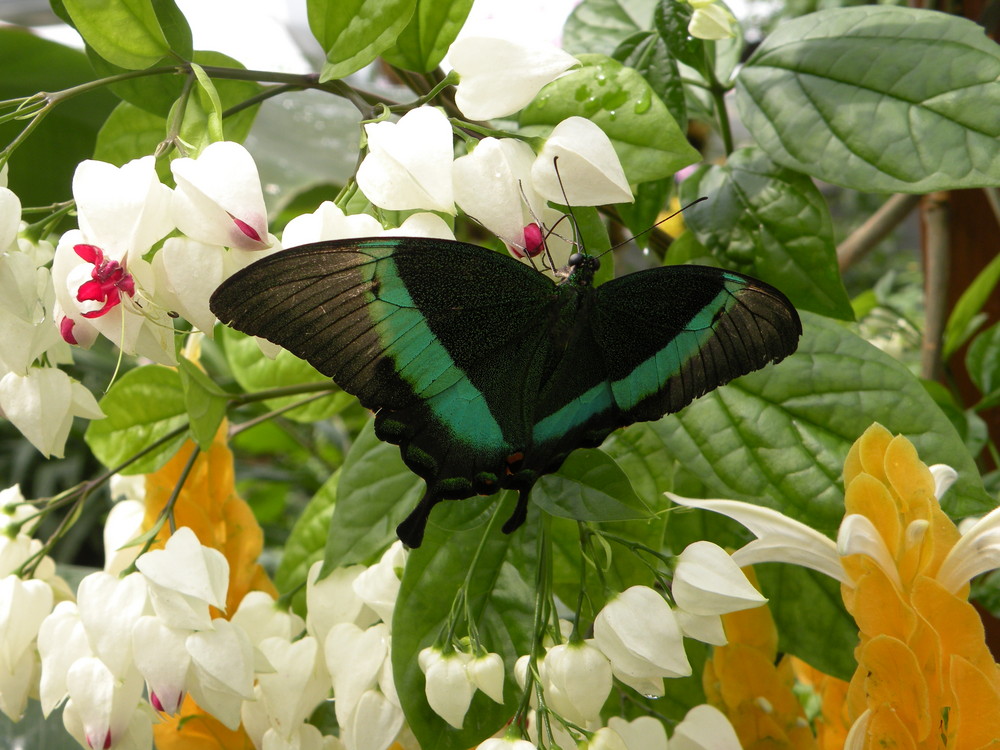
(485, 372)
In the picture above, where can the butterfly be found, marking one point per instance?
(485, 372)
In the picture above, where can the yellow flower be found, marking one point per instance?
(925, 677)
(743, 680)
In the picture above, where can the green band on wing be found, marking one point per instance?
(575, 413)
(650, 376)
(423, 362)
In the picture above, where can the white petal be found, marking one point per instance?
(124, 524)
(704, 728)
(977, 551)
(61, 641)
(704, 628)
(858, 536)
(422, 225)
(123, 210)
(374, 723)
(944, 477)
(493, 185)
(331, 600)
(643, 733)
(109, 608)
(10, 218)
(448, 688)
(708, 582)
(299, 683)
(486, 673)
(499, 76)
(408, 164)
(712, 21)
(779, 538)
(261, 617)
(187, 273)
(162, 658)
(328, 222)
(588, 166)
(577, 680)
(187, 567)
(637, 630)
(354, 658)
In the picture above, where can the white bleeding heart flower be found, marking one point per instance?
(501, 76)
(219, 200)
(588, 166)
(708, 582)
(408, 164)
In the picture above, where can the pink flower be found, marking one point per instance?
(108, 279)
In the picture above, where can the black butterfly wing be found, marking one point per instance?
(445, 341)
(671, 334)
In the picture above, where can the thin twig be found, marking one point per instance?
(868, 235)
(936, 273)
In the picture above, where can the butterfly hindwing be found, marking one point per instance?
(673, 333)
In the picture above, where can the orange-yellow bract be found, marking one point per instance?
(209, 505)
(925, 677)
(743, 681)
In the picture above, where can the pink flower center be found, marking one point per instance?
(248, 230)
(534, 242)
(66, 330)
(108, 280)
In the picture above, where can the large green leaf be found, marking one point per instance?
(967, 315)
(983, 364)
(353, 33)
(589, 486)
(647, 53)
(126, 33)
(426, 38)
(376, 492)
(770, 222)
(460, 550)
(143, 406)
(601, 25)
(878, 98)
(646, 137)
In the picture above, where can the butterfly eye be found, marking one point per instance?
(576, 259)
(595, 263)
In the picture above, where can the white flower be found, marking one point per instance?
(606, 738)
(184, 579)
(977, 551)
(14, 509)
(299, 683)
(373, 723)
(500, 76)
(261, 617)
(123, 525)
(221, 676)
(378, 586)
(505, 743)
(643, 733)
(102, 709)
(447, 685)
(331, 600)
(779, 538)
(355, 659)
(422, 224)
(42, 404)
(122, 210)
(328, 222)
(27, 310)
(23, 607)
(109, 607)
(486, 673)
(587, 165)
(708, 582)
(577, 680)
(711, 20)
(62, 640)
(637, 631)
(408, 164)
(704, 728)
(161, 656)
(10, 217)
(218, 200)
(493, 185)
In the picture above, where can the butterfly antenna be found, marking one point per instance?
(572, 216)
(654, 226)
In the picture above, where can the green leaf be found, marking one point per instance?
(428, 35)
(771, 222)
(41, 169)
(647, 53)
(779, 437)
(130, 133)
(143, 406)
(983, 364)
(501, 598)
(646, 137)
(206, 403)
(255, 372)
(965, 318)
(375, 493)
(601, 25)
(306, 542)
(672, 18)
(126, 33)
(354, 32)
(642, 214)
(878, 98)
(589, 486)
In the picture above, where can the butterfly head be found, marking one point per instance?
(580, 269)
